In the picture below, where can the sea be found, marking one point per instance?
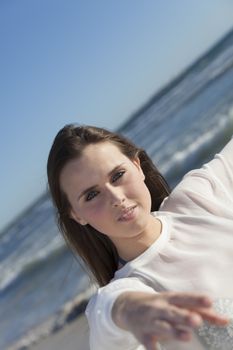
(43, 286)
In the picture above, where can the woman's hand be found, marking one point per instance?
(155, 317)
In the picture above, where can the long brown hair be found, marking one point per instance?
(96, 250)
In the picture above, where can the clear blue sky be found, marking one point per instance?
(92, 62)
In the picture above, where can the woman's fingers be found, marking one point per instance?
(183, 334)
(179, 316)
(189, 300)
(151, 344)
(163, 330)
(200, 305)
(211, 316)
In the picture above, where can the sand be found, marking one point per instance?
(74, 336)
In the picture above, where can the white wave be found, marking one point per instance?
(54, 322)
(9, 271)
(197, 143)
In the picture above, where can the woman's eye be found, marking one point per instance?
(91, 195)
(117, 175)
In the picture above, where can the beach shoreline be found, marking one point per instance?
(73, 336)
(68, 328)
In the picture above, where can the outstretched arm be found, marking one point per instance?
(126, 313)
(152, 317)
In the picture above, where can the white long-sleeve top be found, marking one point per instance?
(194, 252)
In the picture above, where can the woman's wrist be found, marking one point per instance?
(119, 310)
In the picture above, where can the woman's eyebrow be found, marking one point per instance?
(113, 170)
(94, 186)
(87, 190)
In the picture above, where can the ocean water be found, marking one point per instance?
(181, 128)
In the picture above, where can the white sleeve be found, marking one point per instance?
(222, 168)
(209, 188)
(104, 333)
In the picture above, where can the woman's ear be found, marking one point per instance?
(137, 163)
(77, 219)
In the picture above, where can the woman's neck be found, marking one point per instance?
(129, 249)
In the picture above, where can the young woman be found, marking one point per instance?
(149, 250)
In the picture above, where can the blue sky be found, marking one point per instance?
(92, 62)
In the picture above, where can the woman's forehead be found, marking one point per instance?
(105, 150)
(103, 156)
(95, 158)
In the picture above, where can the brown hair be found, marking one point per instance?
(96, 249)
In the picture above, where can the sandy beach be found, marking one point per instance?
(74, 336)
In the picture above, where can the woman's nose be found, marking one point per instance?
(116, 197)
(118, 202)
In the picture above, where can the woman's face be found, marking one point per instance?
(107, 191)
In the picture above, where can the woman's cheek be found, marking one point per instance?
(135, 188)
(96, 218)
(95, 210)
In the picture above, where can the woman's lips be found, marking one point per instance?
(127, 214)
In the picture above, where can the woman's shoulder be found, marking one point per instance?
(193, 190)
(212, 184)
